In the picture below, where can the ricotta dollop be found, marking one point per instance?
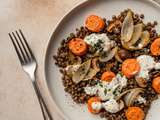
(108, 90)
(100, 42)
(111, 106)
(141, 99)
(147, 63)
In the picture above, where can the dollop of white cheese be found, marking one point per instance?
(147, 63)
(111, 106)
(108, 90)
(105, 93)
(91, 90)
(100, 40)
(119, 80)
(141, 100)
(96, 106)
(157, 66)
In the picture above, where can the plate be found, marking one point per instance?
(74, 19)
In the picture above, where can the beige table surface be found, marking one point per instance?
(37, 19)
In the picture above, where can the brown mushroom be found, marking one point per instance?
(118, 58)
(132, 96)
(141, 82)
(124, 54)
(95, 64)
(110, 55)
(74, 59)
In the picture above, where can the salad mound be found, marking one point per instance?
(112, 66)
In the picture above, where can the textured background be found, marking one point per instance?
(37, 19)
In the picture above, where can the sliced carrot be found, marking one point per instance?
(94, 23)
(130, 67)
(134, 113)
(156, 84)
(78, 46)
(90, 102)
(108, 76)
(155, 47)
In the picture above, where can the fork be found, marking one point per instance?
(29, 65)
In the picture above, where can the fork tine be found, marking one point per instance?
(22, 52)
(26, 52)
(29, 49)
(17, 51)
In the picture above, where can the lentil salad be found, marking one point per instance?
(94, 60)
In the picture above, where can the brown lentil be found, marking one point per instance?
(142, 16)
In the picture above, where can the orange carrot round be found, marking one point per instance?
(155, 47)
(156, 84)
(135, 113)
(130, 67)
(78, 46)
(94, 23)
(108, 76)
(90, 102)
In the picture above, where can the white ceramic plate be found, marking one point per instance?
(73, 20)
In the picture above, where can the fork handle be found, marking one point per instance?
(46, 115)
(45, 111)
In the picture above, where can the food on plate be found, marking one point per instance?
(112, 66)
(156, 84)
(155, 47)
(132, 95)
(147, 63)
(130, 67)
(112, 25)
(78, 46)
(135, 113)
(108, 76)
(107, 90)
(123, 54)
(99, 42)
(127, 27)
(136, 34)
(94, 23)
(94, 105)
(141, 82)
(131, 34)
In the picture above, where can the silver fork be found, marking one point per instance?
(29, 65)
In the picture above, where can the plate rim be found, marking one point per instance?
(50, 102)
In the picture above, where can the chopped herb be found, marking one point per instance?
(120, 73)
(115, 93)
(100, 85)
(105, 91)
(98, 45)
(104, 54)
(109, 89)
